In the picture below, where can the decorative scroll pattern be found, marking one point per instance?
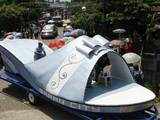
(64, 71)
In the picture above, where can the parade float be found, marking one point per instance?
(85, 77)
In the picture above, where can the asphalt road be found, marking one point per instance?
(14, 106)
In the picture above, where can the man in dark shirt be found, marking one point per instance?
(39, 52)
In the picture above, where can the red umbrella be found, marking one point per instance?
(56, 44)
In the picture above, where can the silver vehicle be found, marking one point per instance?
(49, 31)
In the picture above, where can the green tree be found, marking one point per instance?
(10, 17)
(90, 19)
(16, 15)
(104, 16)
(7, 2)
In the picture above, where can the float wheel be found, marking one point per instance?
(32, 98)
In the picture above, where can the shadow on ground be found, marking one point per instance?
(51, 110)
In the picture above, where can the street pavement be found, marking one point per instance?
(14, 106)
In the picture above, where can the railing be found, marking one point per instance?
(151, 69)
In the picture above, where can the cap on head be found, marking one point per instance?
(40, 44)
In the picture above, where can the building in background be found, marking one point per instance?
(59, 8)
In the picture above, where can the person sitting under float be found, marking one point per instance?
(101, 73)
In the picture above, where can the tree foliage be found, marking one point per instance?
(103, 16)
(10, 17)
(129, 14)
(87, 19)
(16, 15)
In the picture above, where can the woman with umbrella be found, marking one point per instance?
(134, 62)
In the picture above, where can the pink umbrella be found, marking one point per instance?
(117, 43)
